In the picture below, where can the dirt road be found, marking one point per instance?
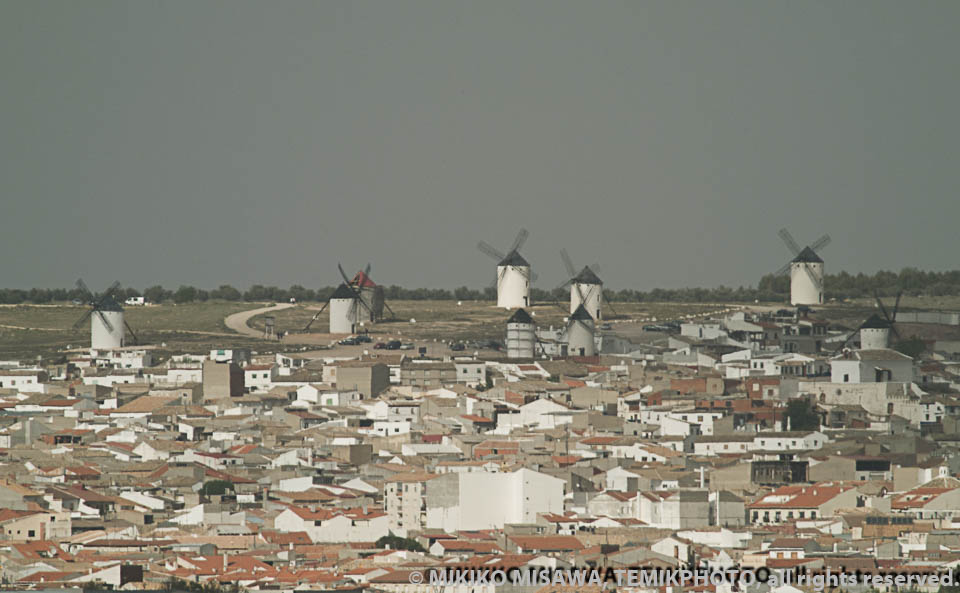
(238, 321)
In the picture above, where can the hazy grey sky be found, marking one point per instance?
(207, 142)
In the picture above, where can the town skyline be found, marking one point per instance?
(668, 142)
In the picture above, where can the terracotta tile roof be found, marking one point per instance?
(547, 543)
(800, 497)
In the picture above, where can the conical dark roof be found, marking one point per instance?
(343, 292)
(520, 316)
(875, 322)
(807, 256)
(581, 315)
(108, 303)
(514, 259)
(587, 276)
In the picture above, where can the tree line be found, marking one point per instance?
(911, 281)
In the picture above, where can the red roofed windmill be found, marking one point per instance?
(354, 302)
(370, 291)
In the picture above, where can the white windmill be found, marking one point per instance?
(580, 334)
(372, 293)
(513, 273)
(107, 326)
(586, 288)
(348, 307)
(806, 270)
(875, 331)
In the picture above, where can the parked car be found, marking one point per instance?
(379, 346)
(364, 339)
(458, 347)
(348, 342)
(406, 346)
(652, 328)
(393, 345)
(606, 326)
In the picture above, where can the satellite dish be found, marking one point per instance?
(459, 303)
(533, 313)
(412, 320)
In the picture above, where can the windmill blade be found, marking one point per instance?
(528, 274)
(609, 304)
(597, 269)
(490, 250)
(568, 263)
(82, 287)
(359, 297)
(886, 315)
(820, 243)
(108, 293)
(520, 240)
(366, 270)
(784, 269)
(103, 318)
(317, 316)
(789, 242)
(579, 289)
(850, 337)
(113, 288)
(893, 317)
(896, 307)
(346, 280)
(82, 319)
(811, 275)
(130, 329)
(392, 314)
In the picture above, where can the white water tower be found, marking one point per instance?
(344, 310)
(521, 335)
(580, 334)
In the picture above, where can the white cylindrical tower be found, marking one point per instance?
(101, 336)
(587, 283)
(513, 282)
(343, 311)
(875, 333)
(580, 334)
(806, 278)
(521, 335)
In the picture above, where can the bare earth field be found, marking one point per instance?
(30, 330)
